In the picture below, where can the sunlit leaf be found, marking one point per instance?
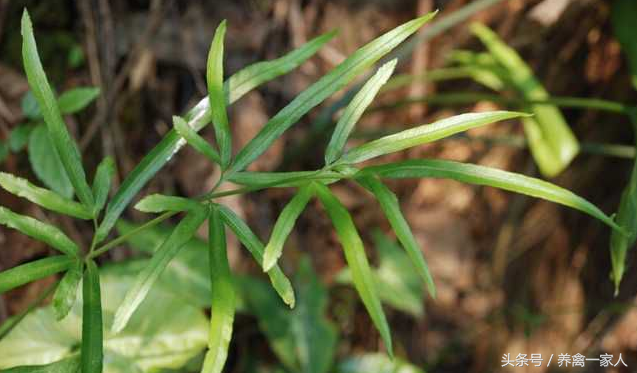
(34, 270)
(161, 203)
(481, 175)
(355, 110)
(222, 307)
(216, 95)
(284, 225)
(198, 117)
(423, 134)
(250, 240)
(64, 144)
(356, 260)
(147, 277)
(38, 230)
(336, 79)
(391, 207)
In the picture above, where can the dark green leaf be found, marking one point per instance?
(43, 197)
(250, 240)
(284, 225)
(223, 298)
(281, 179)
(92, 333)
(236, 87)
(66, 291)
(623, 15)
(30, 107)
(423, 134)
(356, 260)
(147, 277)
(37, 269)
(336, 79)
(217, 97)
(19, 137)
(355, 110)
(160, 203)
(62, 141)
(102, 182)
(391, 207)
(77, 99)
(46, 163)
(194, 140)
(46, 233)
(481, 175)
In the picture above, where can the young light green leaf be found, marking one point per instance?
(147, 277)
(377, 363)
(194, 140)
(336, 79)
(64, 144)
(77, 99)
(43, 197)
(156, 203)
(391, 207)
(356, 260)
(38, 230)
(236, 87)
(424, 134)
(481, 175)
(223, 297)
(284, 225)
(66, 292)
(46, 163)
(552, 135)
(217, 97)
(92, 333)
(102, 182)
(355, 110)
(37, 269)
(250, 240)
(69, 365)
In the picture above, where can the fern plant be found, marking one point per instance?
(341, 163)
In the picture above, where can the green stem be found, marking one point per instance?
(119, 240)
(469, 98)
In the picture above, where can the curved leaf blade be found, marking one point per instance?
(481, 175)
(159, 203)
(355, 110)
(69, 365)
(284, 225)
(223, 297)
(92, 333)
(336, 79)
(356, 260)
(37, 269)
(77, 99)
(194, 140)
(423, 134)
(64, 144)
(102, 182)
(279, 281)
(66, 292)
(391, 207)
(182, 233)
(43, 197)
(217, 97)
(38, 230)
(236, 87)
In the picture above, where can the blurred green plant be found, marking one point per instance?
(340, 164)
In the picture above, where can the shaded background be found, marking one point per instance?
(514, 275)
